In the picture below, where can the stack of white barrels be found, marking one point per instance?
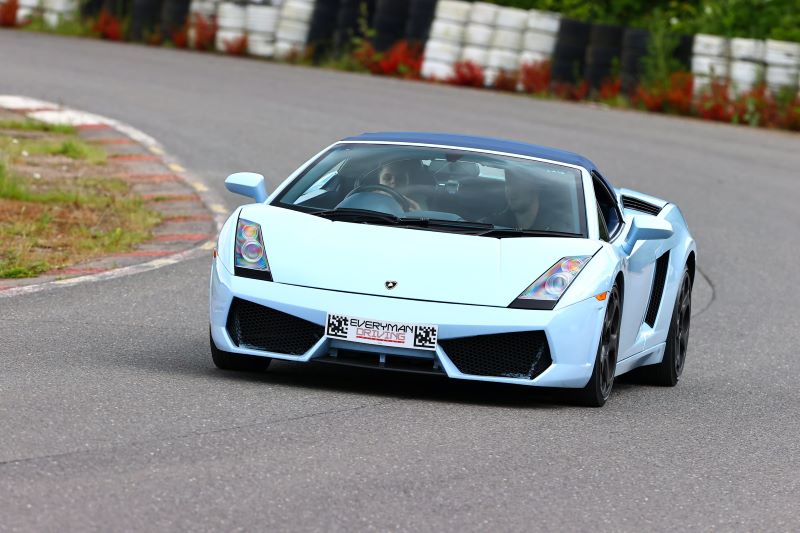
(231, 19)
(445, 41)
(26, 9)
(709, 59)
(504, 54)
(478, 33)
(204, 8)
(494, 38)
(57, 10)
(539, 40)
(293, 23)
(747, 63)
(260, 23)
(783, 62)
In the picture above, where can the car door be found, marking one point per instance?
(637, 267)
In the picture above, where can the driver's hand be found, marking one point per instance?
(412, 205)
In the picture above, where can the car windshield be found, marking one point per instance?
(441, 188)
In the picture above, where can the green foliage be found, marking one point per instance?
(659, 62)
(759, 19)
(35, 125)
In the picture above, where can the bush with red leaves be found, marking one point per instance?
(535, 77)
(8, 14)
(571, 91)
(714, 102)
(108, 26)
(609, 88)
(205, 31)
(237, 46)
(180, 37)
(506, 80)
(403, 60)
(756, 107)
(680, 93)
(467, 74)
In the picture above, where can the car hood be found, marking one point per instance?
(316, 252)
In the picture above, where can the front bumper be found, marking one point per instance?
(572, 332)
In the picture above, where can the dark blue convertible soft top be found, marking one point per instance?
(484, 143)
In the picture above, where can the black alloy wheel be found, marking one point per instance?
(669, 370)
(598, 389)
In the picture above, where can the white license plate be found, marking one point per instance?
(369, 331)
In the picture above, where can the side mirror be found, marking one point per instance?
(247, 184)
(646, 228)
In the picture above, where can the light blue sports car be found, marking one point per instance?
(469, 257)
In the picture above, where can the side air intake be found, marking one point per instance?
(656, 294)
(629, 202)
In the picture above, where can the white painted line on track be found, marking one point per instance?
(52, 113)
(112, 274)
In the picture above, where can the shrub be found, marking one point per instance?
(468, 74)
(108, 26)
(8, 13)
(205, 31)
(506, 80)
(535, 77)
(714, 101)
(237, 46)
(571, 91)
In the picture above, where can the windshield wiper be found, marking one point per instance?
(516, 232)
(357, 215)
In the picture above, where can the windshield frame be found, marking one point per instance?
(587, 228)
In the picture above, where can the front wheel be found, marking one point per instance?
(597, 391)
(237, 361)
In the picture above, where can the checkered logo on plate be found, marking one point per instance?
(424, 337)
(337, 326)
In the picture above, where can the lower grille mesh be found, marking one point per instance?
(262, 328)
(523, 354)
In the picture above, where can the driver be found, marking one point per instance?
(397, 175)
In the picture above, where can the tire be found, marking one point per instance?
(598, 389)
(235, 361)
(669, 370)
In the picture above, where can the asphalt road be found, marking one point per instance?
(112, 416)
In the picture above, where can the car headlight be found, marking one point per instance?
(545, 292)
(249, 254)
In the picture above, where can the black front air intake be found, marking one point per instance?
(659, 280)
(629, 202)
(524, 354)
(262, 328)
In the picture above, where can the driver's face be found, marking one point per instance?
(389, 177)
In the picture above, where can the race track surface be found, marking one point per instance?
(112, 416)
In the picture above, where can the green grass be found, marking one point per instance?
(73, 148)
(35, 125)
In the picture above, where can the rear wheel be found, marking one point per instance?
(236, 361)
(669, 370)
(597, 391)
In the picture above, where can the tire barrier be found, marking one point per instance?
(230, 25)
(322, 27)
(443, 48)
(261, 23)
(709, 59)
(603, 51)
(782, 64)
(569, 54)
(173, 16)
(634, 49)
(293, 25)
(420, 18)
(348, 21)
(539, 39)
(144, 18)
(389, 23)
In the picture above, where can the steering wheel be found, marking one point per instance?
(404, 202)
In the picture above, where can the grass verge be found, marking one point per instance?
(59, 204)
